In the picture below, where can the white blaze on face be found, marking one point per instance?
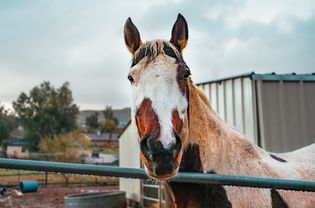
(157, 81)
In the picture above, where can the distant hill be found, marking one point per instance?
(123, 116)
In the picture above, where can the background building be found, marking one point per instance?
(129, 156)
(16, 148)
(274, 111)
(102, 139)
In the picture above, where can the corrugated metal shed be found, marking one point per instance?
(274, 111)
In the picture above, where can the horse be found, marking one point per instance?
(179, 131)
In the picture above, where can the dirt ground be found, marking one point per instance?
(46, 197)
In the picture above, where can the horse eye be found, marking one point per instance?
(187, 74)
(130, 78)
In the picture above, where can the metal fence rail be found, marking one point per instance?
(71, 168)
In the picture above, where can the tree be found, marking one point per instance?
(107, 126)
(8, 123)
(46, 111)
(109, 114)
(92, 121)
(65, 148)
(4, 131)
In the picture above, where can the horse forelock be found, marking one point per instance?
(152, 49)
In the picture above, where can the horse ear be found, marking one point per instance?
(132, 36)
(180, 33)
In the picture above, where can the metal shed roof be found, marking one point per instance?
(267, 77)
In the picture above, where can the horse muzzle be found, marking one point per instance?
(160, 163)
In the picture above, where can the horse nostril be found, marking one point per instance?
(177, 146)
(150, 144)
(144, 144)
(153, 149)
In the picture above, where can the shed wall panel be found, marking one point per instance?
(309, 112)
(239, 114)
(249, 110)
(206, 89)
(287, 110)
(230, 110)
(233, 101)
(213, 98)
(221, 100)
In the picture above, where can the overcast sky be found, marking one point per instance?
(82, 42)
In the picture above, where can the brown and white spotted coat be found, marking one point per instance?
(166, 105)
(222, 149)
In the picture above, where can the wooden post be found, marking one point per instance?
(19, 173)
(46, 179)
(160, 195)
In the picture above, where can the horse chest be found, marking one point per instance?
(199, 195)
(216, 196)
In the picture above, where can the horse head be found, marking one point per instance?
(160, 82)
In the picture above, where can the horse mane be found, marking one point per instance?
(200, 93)
(215, 133)
(152, 49)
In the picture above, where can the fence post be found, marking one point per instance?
(19, 176)
(160, 195)
(46, 179)
(96, 180)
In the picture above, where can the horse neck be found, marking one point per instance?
(218, 144)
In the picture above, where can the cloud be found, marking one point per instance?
(268, 11)
(82, 42)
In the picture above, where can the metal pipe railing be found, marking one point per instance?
(185, 177)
